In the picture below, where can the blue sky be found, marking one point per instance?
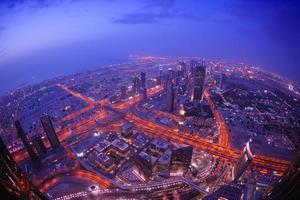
(40, 39)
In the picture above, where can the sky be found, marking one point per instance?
(40, 39)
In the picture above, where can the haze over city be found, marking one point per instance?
(40, 39)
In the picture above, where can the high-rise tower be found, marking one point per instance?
(39, 145)
(289, 185)
(136, 85)
(143, 79)
(170, 97)
(244, 161)
(50, 131)
(123, 92)
(199, 79)
(34, 157)
(13, 183)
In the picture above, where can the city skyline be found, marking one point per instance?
(150, 99)
(43, 39)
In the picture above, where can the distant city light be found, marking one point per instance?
(80, 154)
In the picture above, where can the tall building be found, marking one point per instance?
(144, 92)
(244, 161)
(34, 157)
(50, 131)
(160, 81)
(13, 183)
(180, 160)
(181, 70)
(199, 79)
(170, 97)
(123, 92)
(39, 145)
(289, 185)
(219, 79)
(193, 65)
(136, 85)
(142, 168)
(143, 79)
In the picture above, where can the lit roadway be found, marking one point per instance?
(222, 150)
(224, 131)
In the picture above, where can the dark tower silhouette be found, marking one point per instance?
(289, 185)
(136, 85)
(199, 78)
(244, 161)
(50, 131)
(160, 78)
(123, 92)
(170, 97)
(34, 157)
(39, 145)
(143, 79)
(144, 91)
(13, 183)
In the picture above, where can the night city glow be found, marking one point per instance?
(149, 99)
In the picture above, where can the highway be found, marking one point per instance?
(106, 112)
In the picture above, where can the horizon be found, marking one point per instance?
(47, 38)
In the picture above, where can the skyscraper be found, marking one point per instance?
(181, 70)
(50, 131)
(136, 85)
(199, 78)
(170, 97)
(160, 81)
(289, 185)
(143, 79)
(180, 160)
(14, 184)
(123, 92)
(34, 157)
(39, 145)
(144, 90)
(193, 65)
(244, 161)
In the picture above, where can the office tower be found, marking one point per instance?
(143, 79)
(142, 167)
(181, 70)
(50, 131)
(220, 80)
(199, 78)
(169, 78)
(193, 65)
(171, 75)
(39, 145)
(123, 92)
(136, 85)
(170, 97)
(180, 160)
(144, 92)
(244, 161)
(289, 185)
(179, 77)
(13, 183)
(34, 157)
(160, 78)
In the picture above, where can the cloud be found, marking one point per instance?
(163, 4)
(154, 11)
(152, 17)
(142, 18)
